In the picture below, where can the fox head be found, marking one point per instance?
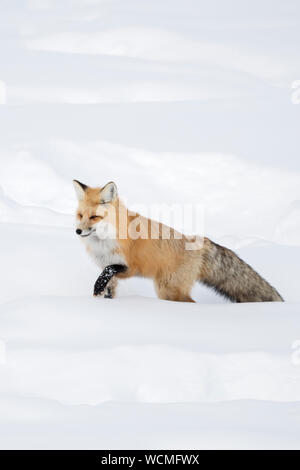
(96, 208)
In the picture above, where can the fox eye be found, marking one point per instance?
(93, 217)
(80, 216)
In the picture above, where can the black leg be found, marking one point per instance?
(106, 276)
(108, 293)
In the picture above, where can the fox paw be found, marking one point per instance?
(98, 293)
(108, 293)
(98, 290)
(101, 283)
(105, 277)
(108, 296)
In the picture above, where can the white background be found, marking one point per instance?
(177, 102)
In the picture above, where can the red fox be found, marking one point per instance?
(110, 240)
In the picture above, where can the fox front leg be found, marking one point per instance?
(107, 274)
(110, 290)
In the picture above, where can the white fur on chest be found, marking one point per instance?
(102, 246)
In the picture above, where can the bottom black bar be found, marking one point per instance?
(136, 458)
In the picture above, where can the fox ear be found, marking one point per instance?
(108, 193)
(80, 189)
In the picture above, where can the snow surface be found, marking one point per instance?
(178, 102)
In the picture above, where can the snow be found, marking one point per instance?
(178, 104)
(2, 93)
(74, 366)
(72, 358)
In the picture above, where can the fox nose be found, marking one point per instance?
(78, 231)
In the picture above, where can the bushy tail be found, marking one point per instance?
(231, 277)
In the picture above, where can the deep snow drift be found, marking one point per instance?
(205, 375)
(178, 102)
